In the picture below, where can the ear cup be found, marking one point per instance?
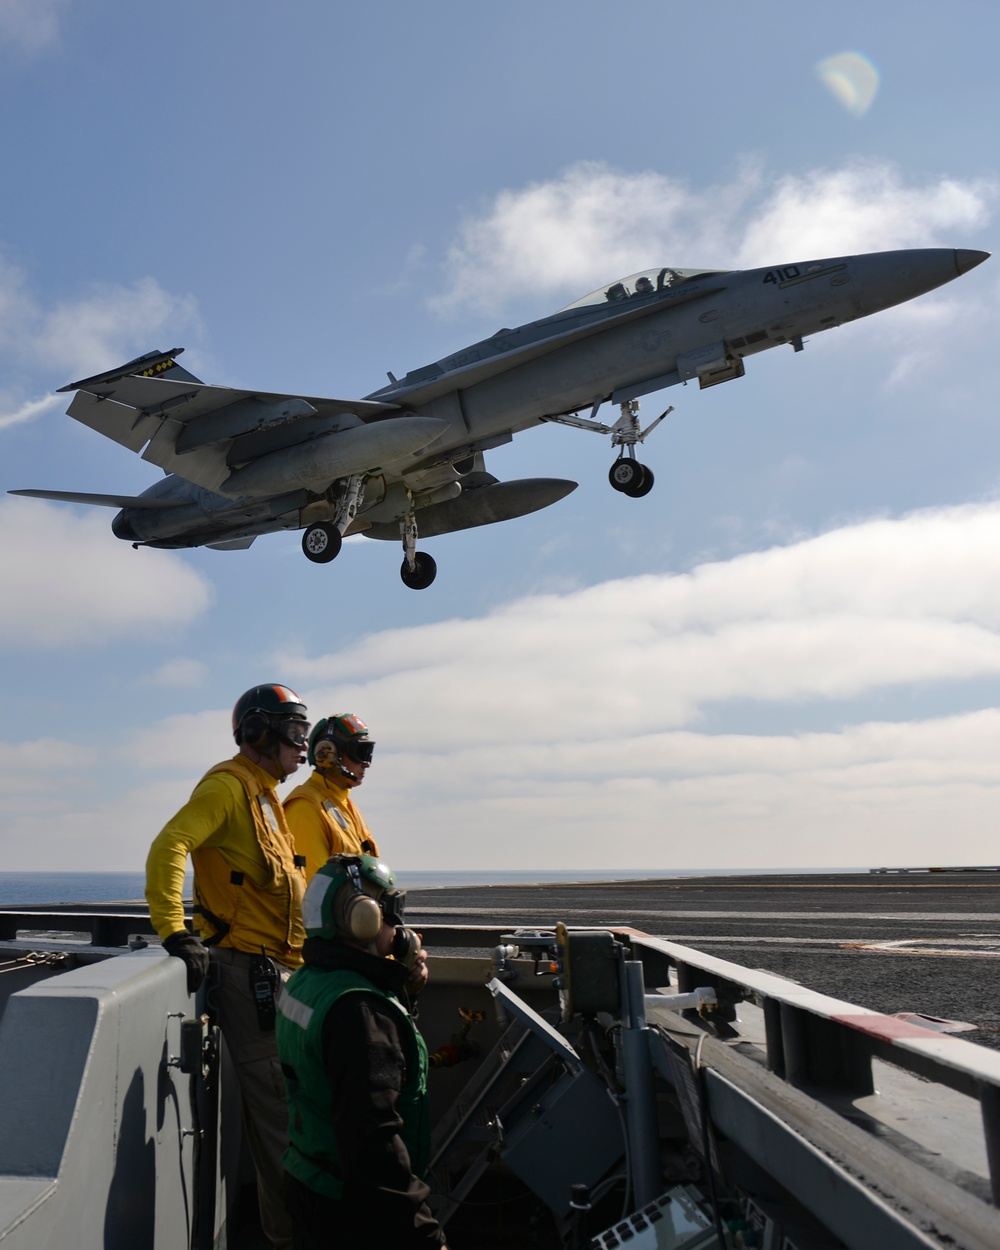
(325, 754)
(357, 915)
(255, 730)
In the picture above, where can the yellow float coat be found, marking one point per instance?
(325, 822)
(245, 874)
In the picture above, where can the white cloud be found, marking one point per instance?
(491, 753)
(877, 793)
(190, 742)
(864, 207)
(871, 793)
(179, 672)
(561, 237)
(28, 411)
(30, 24)
(84, 336)
(869, 606)
(103, 328)
(110, 834)
(67, 581)
(23, 765)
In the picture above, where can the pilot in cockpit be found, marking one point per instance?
(643, 286)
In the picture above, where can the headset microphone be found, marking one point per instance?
(406, 947)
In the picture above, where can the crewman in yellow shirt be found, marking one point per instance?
(323, 818)
(248, 887)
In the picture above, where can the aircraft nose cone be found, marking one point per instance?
(966, 259)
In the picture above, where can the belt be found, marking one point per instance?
(243, 959)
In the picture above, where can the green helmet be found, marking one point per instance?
(348, 733)
(349, 898)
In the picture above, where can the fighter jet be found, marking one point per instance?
(409, 457)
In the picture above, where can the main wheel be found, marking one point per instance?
(322, 542)
(644, 484)
(422, 574)
(625, 475)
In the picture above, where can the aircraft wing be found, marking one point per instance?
(102, 501)
(156, 408)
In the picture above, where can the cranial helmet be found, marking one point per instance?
(351, 897)
(268, 712)
(346, 734)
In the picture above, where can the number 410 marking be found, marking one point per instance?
(782, 275)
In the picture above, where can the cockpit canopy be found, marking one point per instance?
(637, 285)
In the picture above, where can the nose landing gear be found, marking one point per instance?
(627, 475)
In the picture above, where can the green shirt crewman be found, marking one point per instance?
(355, 1069)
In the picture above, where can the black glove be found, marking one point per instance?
(195, 955)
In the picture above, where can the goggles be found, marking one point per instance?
(292, 730)
(358, 749)
(393, 904)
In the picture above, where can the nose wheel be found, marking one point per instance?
(631, 478)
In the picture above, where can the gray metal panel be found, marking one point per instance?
(827, 1186)
(45, 1043)
(571, 1136)
(86, 1091)
(517, 1007)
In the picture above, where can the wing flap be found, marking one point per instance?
(115, 421)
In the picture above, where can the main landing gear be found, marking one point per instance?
(418, 569)
(323, 540)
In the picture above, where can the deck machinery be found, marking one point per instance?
(592, 1089)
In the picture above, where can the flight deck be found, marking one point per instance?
(913, 940)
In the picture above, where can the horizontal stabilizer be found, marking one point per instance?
(102, 501)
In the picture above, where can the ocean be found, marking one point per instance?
(31, 889)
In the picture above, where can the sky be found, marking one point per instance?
(786, 655)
